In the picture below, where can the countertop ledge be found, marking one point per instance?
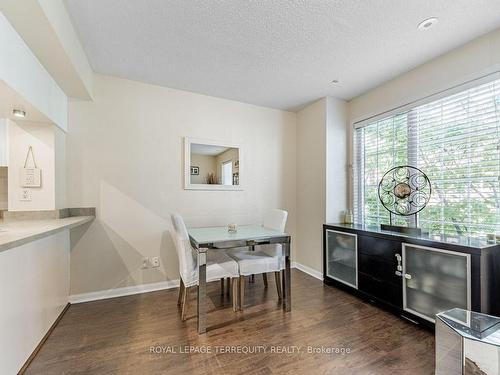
(17, 233)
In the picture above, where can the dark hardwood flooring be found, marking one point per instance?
(114, 336)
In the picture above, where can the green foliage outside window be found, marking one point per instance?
(455, 141)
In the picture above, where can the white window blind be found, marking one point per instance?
(454, 140)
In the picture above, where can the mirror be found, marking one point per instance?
(212, 165)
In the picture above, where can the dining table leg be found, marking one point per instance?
(202, 290)
(252, 277)
(287, 280)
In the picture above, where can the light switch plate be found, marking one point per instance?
(25, 195)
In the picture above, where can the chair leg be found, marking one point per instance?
(181, 292)
(185, 301)
(242, 292)
(222, 286)
(234, 292)
(278, 284)
(264, 277)
(228, 285)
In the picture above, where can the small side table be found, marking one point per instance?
(467, 343)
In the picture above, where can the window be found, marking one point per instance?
(227, 173)
(454, 140)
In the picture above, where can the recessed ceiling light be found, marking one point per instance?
(19, 113)
(427, 23)
(335, 81)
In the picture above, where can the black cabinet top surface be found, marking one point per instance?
(464, 241)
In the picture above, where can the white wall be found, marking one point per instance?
(4, 188)
(470, 61)
(34, 287)
(311, 183)
(336, 160)
(4, 143)
(58, 17)
(41, 138)
(321, 173)
(46, 28)
(125, 156)
(20, 70)
(60, 168)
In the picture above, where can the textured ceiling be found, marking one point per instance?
(276, 53)
(208, 150)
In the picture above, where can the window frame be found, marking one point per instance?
(223, 174)
(356, 171)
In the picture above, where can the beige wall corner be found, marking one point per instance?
(311, 183)
(125, 157)
(321, 168)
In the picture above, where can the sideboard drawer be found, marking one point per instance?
(379, 247)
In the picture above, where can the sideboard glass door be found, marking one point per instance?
(342, 257)
(434, 280)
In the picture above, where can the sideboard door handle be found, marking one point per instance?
(407, 276)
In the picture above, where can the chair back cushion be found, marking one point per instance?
(187, 260)
(275, 219)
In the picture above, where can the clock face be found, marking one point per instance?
(402, 190)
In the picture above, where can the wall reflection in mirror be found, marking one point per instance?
(212, 165)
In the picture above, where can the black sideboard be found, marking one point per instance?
(414, 276)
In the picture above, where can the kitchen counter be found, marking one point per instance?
(34, 282)
(20, 232)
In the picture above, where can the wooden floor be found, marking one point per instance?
(115, 336)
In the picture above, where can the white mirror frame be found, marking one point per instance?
(188, 141)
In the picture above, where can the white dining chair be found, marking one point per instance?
(262, 259)
(219, 266)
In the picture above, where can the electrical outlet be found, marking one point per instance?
(25, 195)
(145, 263)
(155, 262)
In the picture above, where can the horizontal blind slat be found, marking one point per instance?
(456, 140)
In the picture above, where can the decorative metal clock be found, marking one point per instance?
(405, 191)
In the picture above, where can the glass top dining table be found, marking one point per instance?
(219, 239)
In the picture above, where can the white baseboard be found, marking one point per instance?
(310, 271)
(125, 291)
(146, 288)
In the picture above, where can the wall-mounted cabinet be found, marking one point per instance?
(414, 276)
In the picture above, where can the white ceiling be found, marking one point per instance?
(276, 53)
(207, 150)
